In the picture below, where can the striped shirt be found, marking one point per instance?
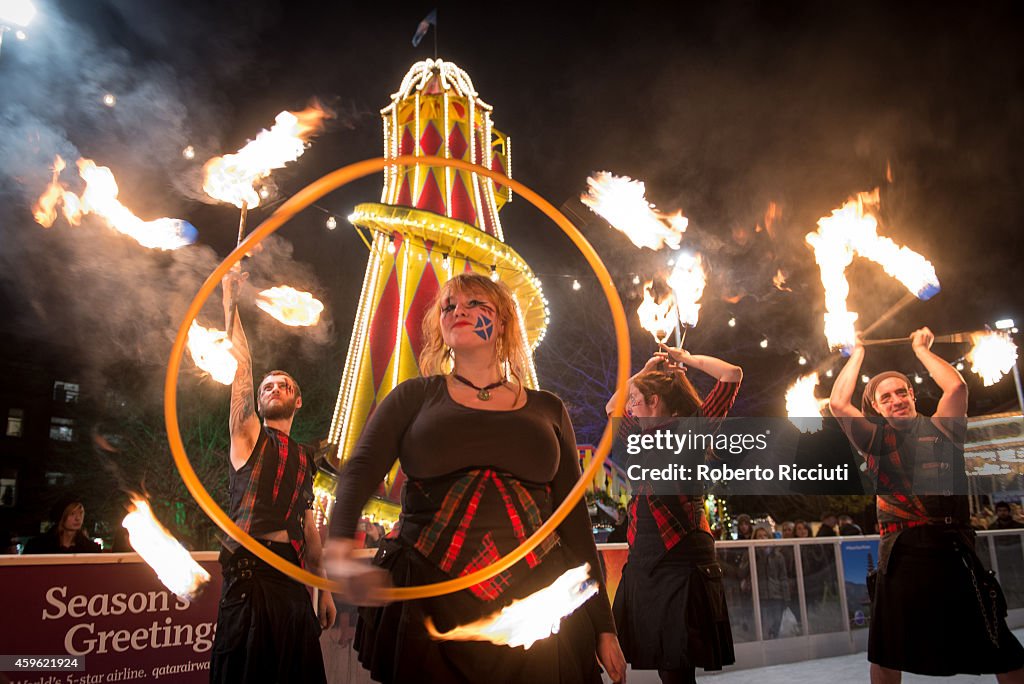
(674, 517)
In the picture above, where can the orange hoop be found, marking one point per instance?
(284, 213)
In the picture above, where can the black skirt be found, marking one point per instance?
(670, 608)
(266, 628)
(394, 646)
(925, 616)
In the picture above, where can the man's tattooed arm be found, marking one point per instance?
(243, 423)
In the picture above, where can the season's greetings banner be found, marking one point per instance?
(112, 610)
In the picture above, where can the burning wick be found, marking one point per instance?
(802, 407)
(992, 356)
(232, 178)
(290, 306)
(853, 230)
(100, 199)
(687, 281)
(175, 567)
(530, 619)
(622, 202)
(657, 312)
(211, 351)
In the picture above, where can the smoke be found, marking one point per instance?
(108, 301)
(272, 265)
(55, 83)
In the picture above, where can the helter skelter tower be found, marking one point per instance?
(432, 222)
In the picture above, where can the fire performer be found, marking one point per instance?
(266, 628)
(487, 461)
(935, 610)
(670, 605)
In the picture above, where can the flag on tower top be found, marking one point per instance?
(424, 26)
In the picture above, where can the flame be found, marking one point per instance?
(621, 201)
(802, 406)
(211, 351)
(687, 281)
(175, 567)
(771, 215)
(779, 281)
(100, 199)
(992, 356)
(232, 178)
(528, 620)
(45, 209)
(657, 312)
(853, 230)
(290, 306)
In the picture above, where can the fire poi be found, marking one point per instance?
(173, 564)
(853, 230)
(992, 356)
(100, 199)
(622, 202)
(657, 311)
(211, 351)
(290, 306)
(528, 620)
(233, 177)
(802, 407)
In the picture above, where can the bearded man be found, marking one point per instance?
(934, 609)
(267, 630)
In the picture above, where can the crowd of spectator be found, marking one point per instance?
(1004, 516)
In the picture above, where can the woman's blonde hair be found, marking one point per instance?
(511, 353)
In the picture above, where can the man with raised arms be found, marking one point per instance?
(266, 628)
(934, 611)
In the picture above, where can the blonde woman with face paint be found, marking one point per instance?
(487, 461)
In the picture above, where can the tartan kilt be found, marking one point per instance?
(266, 628)
(394, 646)
(669, 617)
(925, 616)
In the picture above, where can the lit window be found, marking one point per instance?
(8, 492)
(14, 418)
(54, 479)
(66, 392)
(62, 429)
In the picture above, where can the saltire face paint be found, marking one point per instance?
(484, 324)
(484, 327)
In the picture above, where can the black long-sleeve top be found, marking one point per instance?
(421, 425)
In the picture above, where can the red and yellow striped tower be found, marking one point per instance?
(431, 223)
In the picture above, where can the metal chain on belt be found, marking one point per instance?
(991, 626)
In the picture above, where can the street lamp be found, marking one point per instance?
(15, 13)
